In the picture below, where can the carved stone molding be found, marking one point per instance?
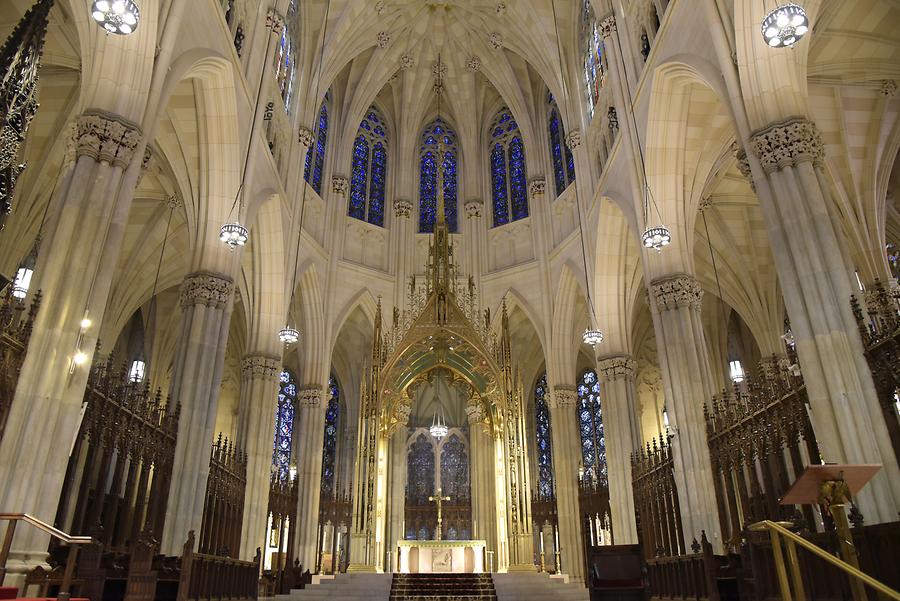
(402, 413)
(172, 201)
(496, 41)
(573, 140)
(608, 25)
(340, 185)
(474, 208)
(564, 396)
(475, 413)
(383, 38)
(616, 367)
(888, 88)
(788, 143)
(275, 21)
(743, 164)
(402, 208)
(310, 396)
(501, 8)
(672, 292)
(260, 366)
(106, 138)
(537, 186)
(305, 136)
(407, 62)
(380, 6)
(474, 63)
(206, 288)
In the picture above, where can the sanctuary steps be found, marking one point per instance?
(349, 587)
(442, 587)
(536, 586)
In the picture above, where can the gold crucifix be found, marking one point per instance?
(438, 499)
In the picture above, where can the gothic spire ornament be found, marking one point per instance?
(20, 59)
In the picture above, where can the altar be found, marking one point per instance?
(441, 556)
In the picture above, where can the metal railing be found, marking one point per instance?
(777, 532)
(73, 541)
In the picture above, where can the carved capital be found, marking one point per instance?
(340, 185)
(537, 186)
(275, 21)
(106, 138)
(473, 208)
(676, 291)
(564, 396)
(305, 136)
(616, 368)
(608, 25)
(788, 143)
(205, 288)
(402, 208)
(311, 396)
(475, 413)
(743, 164)
(260, 366)
(573, 140)
(402, 413)
(383, 38)
(474, 63)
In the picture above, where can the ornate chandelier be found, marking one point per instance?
(656, 238)
(234, 234)
(438, 428)
(592, 336)
(116, 16)
(289, 335)
(785, 25)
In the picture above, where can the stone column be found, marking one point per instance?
(403, 239)
(397, 497)
(815, 271)
(566, 459)
(481, 477)
(82, 241)
(621, 428)
(310, 432)
(688, 381)
(256, 431)
(206, 303)
(474, 231)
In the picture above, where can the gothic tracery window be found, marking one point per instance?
(367, 180)
(428, 150)
(560, 154)
(592, 55)
(315, 156)
(284, 66)
(508, 173)
(544, 445)
(329, 444)
(454, 468)
(420, 472)
(590, 422)
(284, 425)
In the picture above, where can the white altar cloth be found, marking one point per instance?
(441, 556)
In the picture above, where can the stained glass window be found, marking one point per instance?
(508, 173)
(284, 426)
(561, 155)
(454, 468)
(893, 257)
(544, 445)
(284, 66)
(315, 157)
(592, 55)
(369, 169)
(590, 423)
(420, 471)
(329, 445)
(428, 175)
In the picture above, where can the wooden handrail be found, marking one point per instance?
(851, 571)
(74, 541)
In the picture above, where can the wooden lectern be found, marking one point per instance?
(833, 485)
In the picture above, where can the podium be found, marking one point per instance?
(833, 485)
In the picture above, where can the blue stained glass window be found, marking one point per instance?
(590, 422)
(420, 471)
(284, 66)
(428, 176)
(315, 178)
(359, 177)
(544, 441)
(509, 191)
(560, 154)
(284, 426)
(369, 170)
(329, 445)
(454, 468)
(592, 51)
